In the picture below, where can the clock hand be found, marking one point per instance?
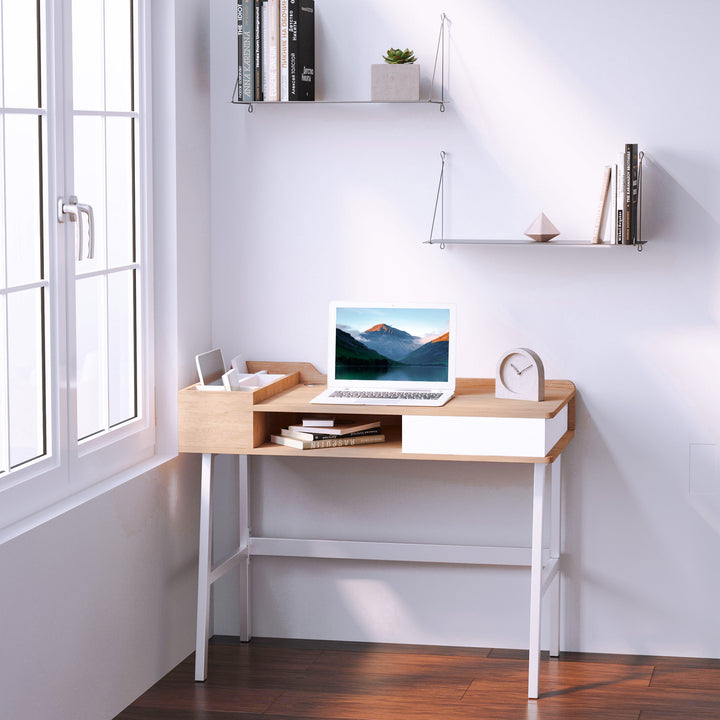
(520, 372)
(515, 369)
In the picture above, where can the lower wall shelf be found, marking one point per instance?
(519, 241)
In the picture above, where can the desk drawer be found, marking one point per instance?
(492, 436)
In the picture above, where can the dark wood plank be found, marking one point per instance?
(684, 678)
(270, 679)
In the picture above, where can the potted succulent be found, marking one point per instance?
(397, 79)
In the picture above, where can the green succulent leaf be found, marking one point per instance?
(397, 56)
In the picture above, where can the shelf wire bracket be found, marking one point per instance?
(440, 200)
(236, 99)
(439, 53)
(640, 241)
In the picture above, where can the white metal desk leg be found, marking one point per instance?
(204, 566)
(244, 523)
(555, 540)
(536, 578)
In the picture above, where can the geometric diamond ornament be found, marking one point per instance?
(542, 229)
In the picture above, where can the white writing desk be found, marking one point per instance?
(474, 426)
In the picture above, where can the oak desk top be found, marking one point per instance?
(241, 422)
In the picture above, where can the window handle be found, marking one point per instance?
(87, 209)
(73, 210)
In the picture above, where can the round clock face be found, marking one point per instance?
(520, 375)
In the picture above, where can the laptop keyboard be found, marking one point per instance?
(385, 395)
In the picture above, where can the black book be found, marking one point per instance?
(627, 192)
(305, 61)
(293, 49)
(258, 49)
(633, 209)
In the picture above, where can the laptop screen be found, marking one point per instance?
(388, 346)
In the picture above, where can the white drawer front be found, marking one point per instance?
(503, 437)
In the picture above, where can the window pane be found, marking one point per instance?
(88, 60)
(122, 347)
(118, 54)
(91, 356)
(120, 213)
(23, 198)
(2, 204)
(4, 416)
(89, 139)
(26, 390)
(20, 53)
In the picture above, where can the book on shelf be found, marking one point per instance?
(305, 58)
(318, 421)
(627, 192)
(620, 199)
(276, 50)
(339, 429)
(283, 42)
(257, 49)
(272, 33)
(631, 150)
(610, 231)
(240, 20)
(293, 6)
(314, 435)
(597, 235)
(264, 49)
(246, 87)
(328, 443)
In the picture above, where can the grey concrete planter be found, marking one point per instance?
(395, 83)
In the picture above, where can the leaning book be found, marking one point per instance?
(330, 443)
(344, 429)
(286, 432)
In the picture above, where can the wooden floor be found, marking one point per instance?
(286, 679)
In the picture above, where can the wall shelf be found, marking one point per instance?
(524, 241)
(442, 241)
(439, 64)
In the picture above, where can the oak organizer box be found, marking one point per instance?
(474, 426)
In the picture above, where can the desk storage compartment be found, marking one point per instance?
(223, 421)
(490, 436)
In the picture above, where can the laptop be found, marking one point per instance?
(389, 354)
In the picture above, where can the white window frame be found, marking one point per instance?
(76, 471)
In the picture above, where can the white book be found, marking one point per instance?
(284, 52)
(610, 235)
(620, 199)
(273, 36)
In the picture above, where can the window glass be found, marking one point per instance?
(120, 184)
(88, 55)
(20, 53)
(122, 347)
(26, 387)
(23, 207)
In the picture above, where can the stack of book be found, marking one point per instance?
(327, 433)
(619, 199)
(276, 50)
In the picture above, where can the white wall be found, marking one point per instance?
(334, 201)
(99, 603)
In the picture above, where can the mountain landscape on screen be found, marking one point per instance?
(389, 341)
(386, 346)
